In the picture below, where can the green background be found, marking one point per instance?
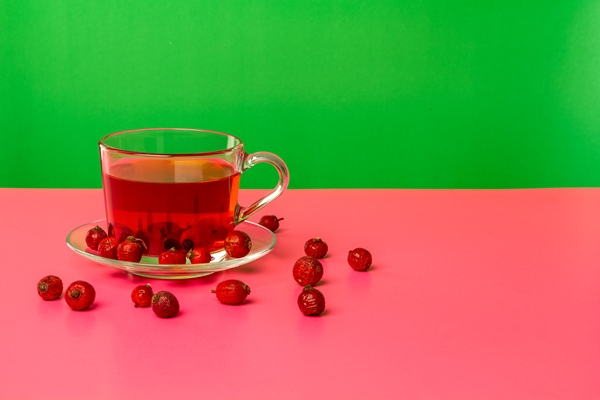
(351, 94)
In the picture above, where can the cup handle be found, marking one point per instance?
(284, 178)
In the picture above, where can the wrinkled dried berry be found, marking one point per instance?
(316, 248)
(94, 236)
(142, 295)
(199, 256)
(172, 256)
(270, 222)
(50, 287)
(360, 259)
(165, 304)
(238, 244)
(80, 295)
(131, 249)
(231, 291)
(311, 301)
(307, 271)
(108, 248)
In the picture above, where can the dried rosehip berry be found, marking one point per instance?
(360, 259)
(307, 271)
(231, 291)
(270, 222)
(108, 248)
(142, 295)
(311, 301)
(94, 236)
(50, 287)
(80, 295)
(238, 244)
(131, 249)
(172, 256)
(316, 248)
(170, 243)
(187, 244)
(165, 304)
(199, 256)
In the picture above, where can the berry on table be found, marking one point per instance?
(271, 222)
(307, 271)
(200, 255)
(360, 259)
(238, 244)
(50, 287)
(131, 249)
(316, 248)
(231, 291)
(311, 301)
(172, 256)
(94, 236)
(165, 304)
(108, 248)
(142, 295)
(80, 295)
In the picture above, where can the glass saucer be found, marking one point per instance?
(263, 241)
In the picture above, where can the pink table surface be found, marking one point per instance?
(472, 295)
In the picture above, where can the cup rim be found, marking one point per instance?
(238, 146)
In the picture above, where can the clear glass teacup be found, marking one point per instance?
(178, 187)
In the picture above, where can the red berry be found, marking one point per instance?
(270, 222)
(316, 248)
(80, 295)
(165, 304)
(50, 287)
(360, 259)
(131, 249)
(142, 295)
(199, 256)
(94, 236)
(311, 301)
(172, 256)
(231, 291)
(307, 271)
(108, 248)
(238, 244)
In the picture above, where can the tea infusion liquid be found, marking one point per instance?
(188, 200)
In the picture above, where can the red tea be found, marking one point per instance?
(167, 203)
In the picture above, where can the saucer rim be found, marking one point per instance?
(175, 271)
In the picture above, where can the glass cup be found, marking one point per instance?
(178, 187)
